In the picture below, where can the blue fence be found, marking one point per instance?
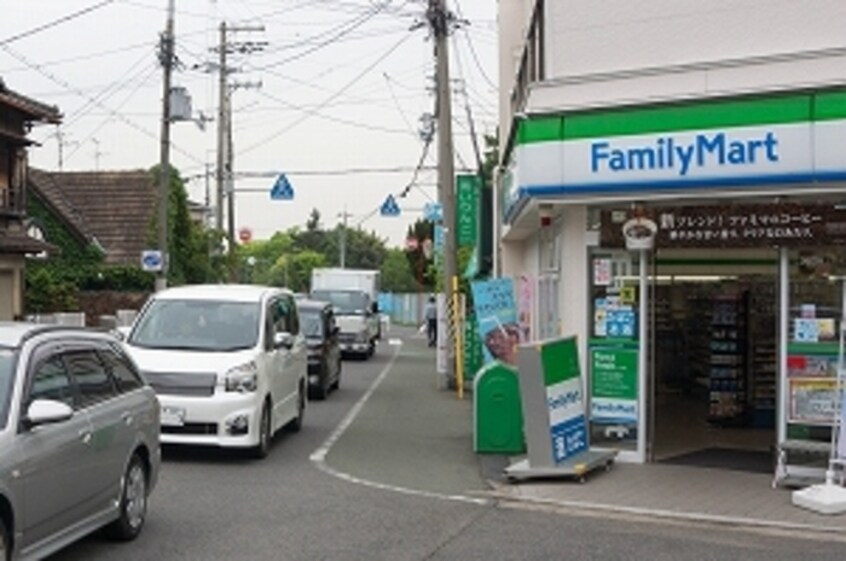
(404, 308)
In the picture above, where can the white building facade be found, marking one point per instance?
(672, 181)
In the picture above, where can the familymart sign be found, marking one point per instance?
(710, 144)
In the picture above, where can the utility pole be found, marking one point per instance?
(221, 127)
(343, 235)
(166, 55)
(225, 182)
(440, 20)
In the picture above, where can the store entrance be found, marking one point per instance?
(714, 359)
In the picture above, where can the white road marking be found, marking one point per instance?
(394, 342)
(319, 455)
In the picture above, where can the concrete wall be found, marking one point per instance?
(621, 35)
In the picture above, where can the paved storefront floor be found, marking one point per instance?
(681, 492)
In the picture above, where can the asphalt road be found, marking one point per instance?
(347, 500)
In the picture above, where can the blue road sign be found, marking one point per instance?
(390, 207)
(433, 212)
(282, 190)
(152, 260)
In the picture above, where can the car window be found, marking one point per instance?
(312, 323)
(293, 320)
(123, 372)
(51, 381)
(8, 363)
(92, 379)
(201, 325)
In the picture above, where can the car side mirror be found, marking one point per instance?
(283, 340)
(374, 307)
(47, 411)
(121, 333)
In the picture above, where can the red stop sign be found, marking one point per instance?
(245, 235)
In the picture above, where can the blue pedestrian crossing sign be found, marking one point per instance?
(390, 207)
(282, 190)
(433, 212)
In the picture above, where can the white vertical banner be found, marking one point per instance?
(841, 436)
(443, 332)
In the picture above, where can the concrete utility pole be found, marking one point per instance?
(440, 20)
(166, 55)
(221, 127)
(343, 235)
(225, 181)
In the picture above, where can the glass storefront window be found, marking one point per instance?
(613, 350)
(814, 324)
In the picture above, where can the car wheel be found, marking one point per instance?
(322, 390)
(5, 546)
(297, 423)
(337, 383)
(261, 449)
(133, 502)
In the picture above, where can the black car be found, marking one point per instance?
(317, 322)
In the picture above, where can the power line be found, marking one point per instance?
(473, 49)
(345, 28)
(78, 92)
(315, 113)
(329, 99)
(54, 23)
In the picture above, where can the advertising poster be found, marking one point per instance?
(564, 398)
(812, 401)
(602, 272)
(613, 374)
(525, 303)
(496, 314)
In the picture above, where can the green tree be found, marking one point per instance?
(395, 273)
(300, 266)
(421, 267)
(188, 243)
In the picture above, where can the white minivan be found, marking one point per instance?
(228, 363)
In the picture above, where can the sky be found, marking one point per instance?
(343, 87)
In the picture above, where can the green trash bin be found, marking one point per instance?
(497, 412)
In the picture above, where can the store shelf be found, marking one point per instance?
(728, 362)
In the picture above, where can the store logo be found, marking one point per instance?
(667, 153)
(564, 400)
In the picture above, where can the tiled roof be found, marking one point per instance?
(34, 110)
(20, 243)
(112, 208)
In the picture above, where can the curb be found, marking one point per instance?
(501, 493)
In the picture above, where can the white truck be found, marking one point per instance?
(353, 294)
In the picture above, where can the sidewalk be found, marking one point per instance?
(425, 438)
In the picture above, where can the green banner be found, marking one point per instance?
(614, 373)
(614, 385)
(473, 356)
(467, 189)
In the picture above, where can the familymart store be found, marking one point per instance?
(698, 251)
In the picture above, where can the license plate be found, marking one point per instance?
(173, 416)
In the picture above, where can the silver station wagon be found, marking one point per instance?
(79, 439)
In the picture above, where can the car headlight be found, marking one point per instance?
(242, 378)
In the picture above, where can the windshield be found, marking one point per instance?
(311, 324)
(8, 359)
(343, 301)
(201, 325)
